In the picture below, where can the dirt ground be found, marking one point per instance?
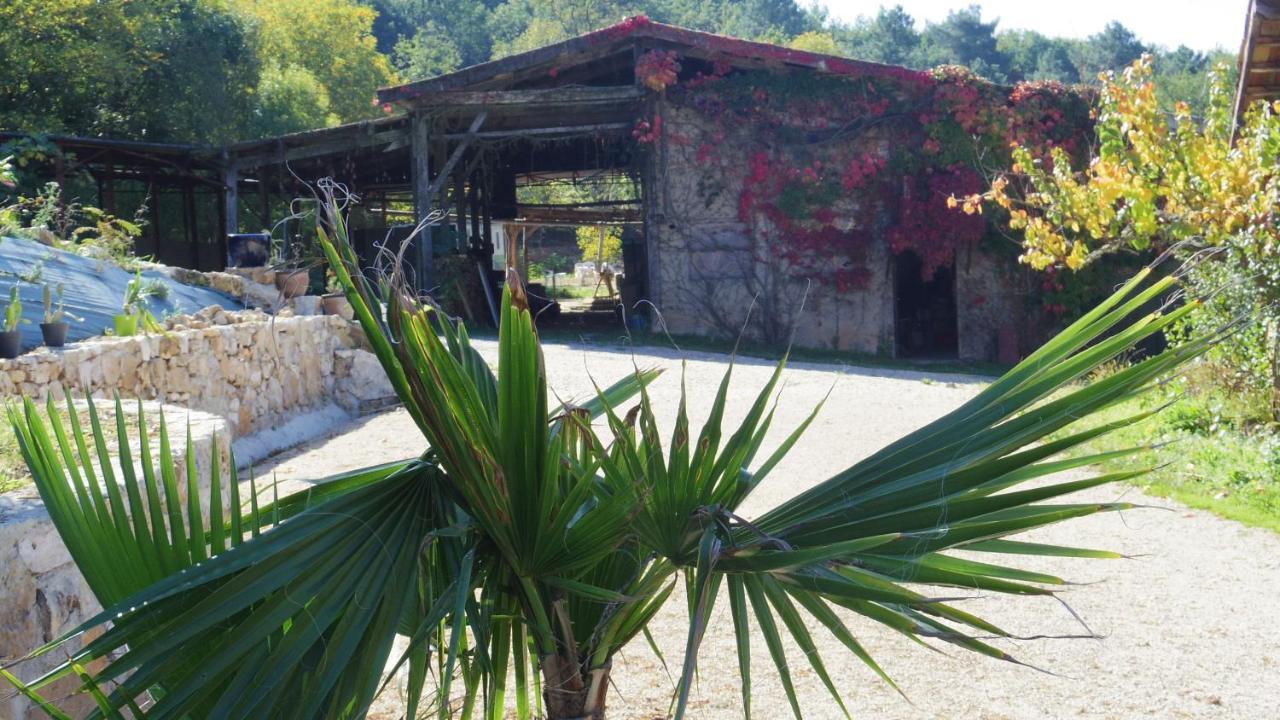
(1189, 622)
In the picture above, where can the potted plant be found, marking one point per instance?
(291, 279)
(11, 338)
(54, 328)
(135, 311)
(293, 282)
(334, 301)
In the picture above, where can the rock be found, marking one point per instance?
(359, 379)
(41, 550)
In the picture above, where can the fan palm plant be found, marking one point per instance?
(528, 543)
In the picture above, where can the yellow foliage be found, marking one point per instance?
(815, 42)
(1155, 180)
(589, 244)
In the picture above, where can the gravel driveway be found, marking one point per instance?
(1189, 623)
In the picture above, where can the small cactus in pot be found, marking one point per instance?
(55, 325)
(11, 338)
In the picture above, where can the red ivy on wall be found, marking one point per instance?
(931, 229)
(822, 173)
(657, 69)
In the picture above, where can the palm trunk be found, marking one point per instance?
(567, 696)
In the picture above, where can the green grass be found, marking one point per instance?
(563, 292)
(13, 470)
(1216, 449)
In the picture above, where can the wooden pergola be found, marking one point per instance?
(184, 178)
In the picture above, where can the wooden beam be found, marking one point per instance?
(543, 131)
(320, 149)
(443, 175)
(572, 95)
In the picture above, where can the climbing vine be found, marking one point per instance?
(843, 158)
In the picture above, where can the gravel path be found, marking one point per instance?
(1190, 622)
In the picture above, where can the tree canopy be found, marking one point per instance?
(220, 70)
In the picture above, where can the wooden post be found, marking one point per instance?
(460, 209)
(109, 189)
(423, 202)
(264, 197)
(231, 198)
(189, 220)
(153, 190)
(221, 241)
(486, 217)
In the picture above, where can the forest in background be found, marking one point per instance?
(214, 71)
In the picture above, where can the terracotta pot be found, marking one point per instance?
(10, 344)
(55, 334)
(126, 325)
(293, 283)
(337, 304)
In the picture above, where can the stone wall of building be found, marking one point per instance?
(789, 195)
(709, 271)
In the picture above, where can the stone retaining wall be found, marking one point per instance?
(251, 368)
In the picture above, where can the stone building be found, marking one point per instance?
(785, 193)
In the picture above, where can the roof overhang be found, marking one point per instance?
(544, 62)
(1259, 55)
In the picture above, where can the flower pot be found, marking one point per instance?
(10, 344)
(126, 325)
(55, 334)
(337, 304)
(293, 283)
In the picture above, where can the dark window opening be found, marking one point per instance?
(924, 310)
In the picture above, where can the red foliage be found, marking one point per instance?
(657, 69)
(648, 132)
(811, 188)
(931, 229)
(807, 237)
(619, 30)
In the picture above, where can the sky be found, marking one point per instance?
(1198, 24)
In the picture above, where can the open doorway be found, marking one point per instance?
(572, 236)
(924, 310)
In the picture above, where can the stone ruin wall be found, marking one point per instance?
(704, 268)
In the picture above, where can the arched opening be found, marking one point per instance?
(924, 310)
